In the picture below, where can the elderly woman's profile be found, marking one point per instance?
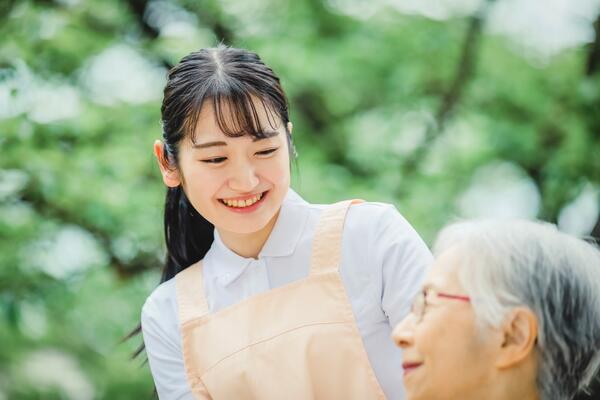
(510, 310)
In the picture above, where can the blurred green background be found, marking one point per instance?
(446, 108)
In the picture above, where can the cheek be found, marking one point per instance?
(201, 184)
(454, 355)
(277, 171)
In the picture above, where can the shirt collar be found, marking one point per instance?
(281, 242)
(228, 266)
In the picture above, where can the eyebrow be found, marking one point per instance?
(207, 144)
(267, 135)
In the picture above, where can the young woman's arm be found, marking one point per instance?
(383, 265)
(393, 258)
(405, 262)
(386, 262)
(163, 345)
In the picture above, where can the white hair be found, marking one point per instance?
(510, 263)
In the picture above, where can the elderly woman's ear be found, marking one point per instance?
(519, 334)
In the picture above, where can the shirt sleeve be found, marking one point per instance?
(163, 348)
(404, 259)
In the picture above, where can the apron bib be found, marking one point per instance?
(298, 341)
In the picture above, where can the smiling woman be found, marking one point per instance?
(515, 304)
(217, 102)
(223, 175)
(272, 297)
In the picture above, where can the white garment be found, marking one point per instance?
(384, 262)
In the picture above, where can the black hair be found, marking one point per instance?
(235, 81)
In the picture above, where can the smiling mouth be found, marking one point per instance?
(245, 202)
(410, 367)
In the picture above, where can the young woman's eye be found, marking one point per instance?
(267, 152)
(216, 160)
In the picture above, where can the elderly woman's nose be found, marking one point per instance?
(403, 332)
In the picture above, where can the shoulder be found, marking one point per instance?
(359, 212)
(161, 305)
(365, 218)
(369, 212)
(369, 226)
(385, 231)
(375, 219)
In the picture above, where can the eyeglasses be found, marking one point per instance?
(420, 302)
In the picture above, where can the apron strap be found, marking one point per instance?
(327, 241)
(191, 299)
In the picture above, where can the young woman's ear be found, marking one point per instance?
(290, 126)
(519, 332)
(169, 172)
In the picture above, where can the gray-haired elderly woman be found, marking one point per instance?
(510, 310)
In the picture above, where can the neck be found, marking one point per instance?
(248, 245)
(517, 383)
(517, 391)
(503, 390)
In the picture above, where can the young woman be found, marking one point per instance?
(273, 297)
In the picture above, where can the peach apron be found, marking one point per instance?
(298, 341)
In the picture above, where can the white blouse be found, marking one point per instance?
(384, 262)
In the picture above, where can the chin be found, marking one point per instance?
(420, 391)
(246, 225)
(244, 230)
(420, 395)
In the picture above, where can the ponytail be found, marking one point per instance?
(188, 234)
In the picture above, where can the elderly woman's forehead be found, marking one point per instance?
(444, 272)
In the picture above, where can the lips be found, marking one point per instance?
(410, 367)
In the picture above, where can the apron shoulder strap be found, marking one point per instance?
(327, 241)
(191, 299)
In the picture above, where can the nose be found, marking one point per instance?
(403, 334)
(243, 177)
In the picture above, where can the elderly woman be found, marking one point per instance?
(510, 310)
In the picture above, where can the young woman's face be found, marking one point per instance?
(238, 184)
(445, 355)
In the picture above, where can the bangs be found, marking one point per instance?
(237, 113)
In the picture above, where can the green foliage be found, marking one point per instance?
(81, 199)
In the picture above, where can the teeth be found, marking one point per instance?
(242, 203)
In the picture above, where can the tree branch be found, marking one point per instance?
(593, 67)
(209, 14)
(593, 60)
(138, 7)
(5, 8)
(464, 71)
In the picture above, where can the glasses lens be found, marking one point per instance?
(419, 305)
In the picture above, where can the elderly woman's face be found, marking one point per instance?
(444, 354)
